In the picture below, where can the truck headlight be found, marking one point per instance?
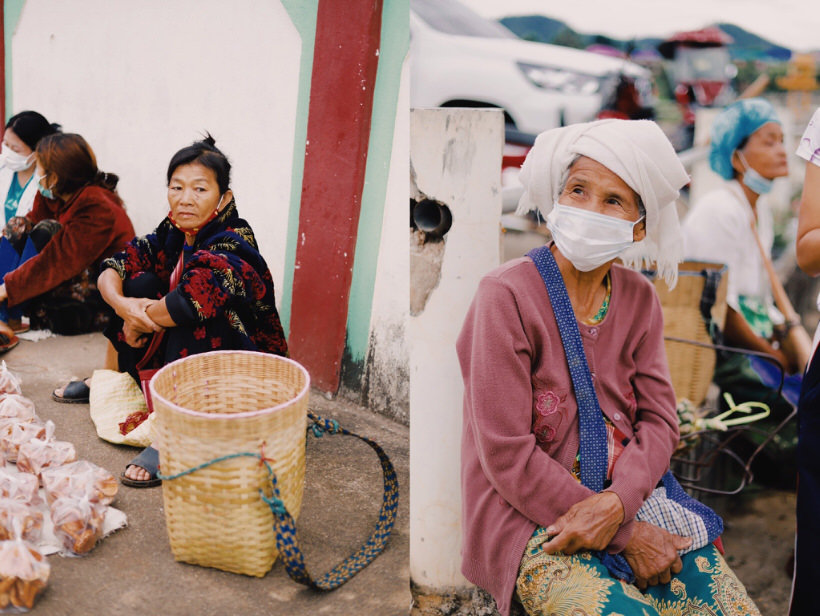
(560, 80)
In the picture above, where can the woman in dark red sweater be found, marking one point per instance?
(77, 221)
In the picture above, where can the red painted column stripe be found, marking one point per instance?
(341, 101)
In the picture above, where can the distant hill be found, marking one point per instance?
(746, 46)
(750, 46)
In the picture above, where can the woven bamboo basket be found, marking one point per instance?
(692, 367)
(218, 404)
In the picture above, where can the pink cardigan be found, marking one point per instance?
(515, 371)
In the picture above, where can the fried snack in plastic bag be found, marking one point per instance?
(29, 519)
(24, 574)
(78, 523)
(77, 479)
(37, 454)
(9, 384)
(20, 486)
(15, 432)
(18, 406)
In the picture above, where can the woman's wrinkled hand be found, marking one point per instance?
(137, 325)
(588, 525)
(652, 552)
(16, 227)
(133, 337)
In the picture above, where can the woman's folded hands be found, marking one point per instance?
(652, 553)
(587, 525)
(137, 325)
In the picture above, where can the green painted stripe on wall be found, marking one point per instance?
(303, 15)
(11, 15)
(395, 41)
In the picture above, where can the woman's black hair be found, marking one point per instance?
(31, 126)
(740, 147)
(205, 153)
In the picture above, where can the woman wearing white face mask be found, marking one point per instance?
(569, 412)
(77, 221)
(746, 150)
(17, 161)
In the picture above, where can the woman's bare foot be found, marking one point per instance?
(142, 471)
(137, 473)
(6, 330)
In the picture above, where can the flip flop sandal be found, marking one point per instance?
(76, 392)
(7, 344)
(18, 326)
(148, 460)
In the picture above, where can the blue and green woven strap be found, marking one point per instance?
(287, 540)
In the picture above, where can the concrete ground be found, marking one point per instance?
(133, 572)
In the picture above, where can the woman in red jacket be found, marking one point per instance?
(77, 221)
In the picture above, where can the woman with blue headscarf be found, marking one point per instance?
(747, 151)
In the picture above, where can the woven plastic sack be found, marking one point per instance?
(115, 397)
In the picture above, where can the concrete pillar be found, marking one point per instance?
(455, 160)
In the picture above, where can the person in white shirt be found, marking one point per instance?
(18, 187)
(747, 151)
(17, 162)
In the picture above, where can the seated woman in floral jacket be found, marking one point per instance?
(199, 278)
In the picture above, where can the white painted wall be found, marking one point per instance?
(389, 386)
(456, 155)
(140, 80)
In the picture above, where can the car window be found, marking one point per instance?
(451, 17)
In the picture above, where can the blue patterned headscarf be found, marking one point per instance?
(731, 126)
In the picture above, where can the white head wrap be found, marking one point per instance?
(640, 154)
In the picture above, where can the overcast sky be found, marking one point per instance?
(792, 23)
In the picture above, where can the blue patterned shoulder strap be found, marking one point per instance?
(593, 448)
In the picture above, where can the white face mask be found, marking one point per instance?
(588, 239)
(753, 179)
(15, 161)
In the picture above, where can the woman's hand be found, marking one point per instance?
(16, 227)
(137, 325)
(652, 552)
(588, 525)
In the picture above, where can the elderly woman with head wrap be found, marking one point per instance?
(747, 151)
(556, 474)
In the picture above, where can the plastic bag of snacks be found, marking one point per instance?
(15, 432)
(78, 479)
(20, 486)
(37, 454)
(24, 574)
(78, 523)
(17, 515)
(18, 406)
(9, 384)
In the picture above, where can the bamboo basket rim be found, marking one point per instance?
(221, 416)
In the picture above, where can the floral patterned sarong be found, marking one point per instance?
(580, 585)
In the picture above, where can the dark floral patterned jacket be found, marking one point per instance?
(224, 298)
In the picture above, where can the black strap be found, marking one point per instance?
(708, 297)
